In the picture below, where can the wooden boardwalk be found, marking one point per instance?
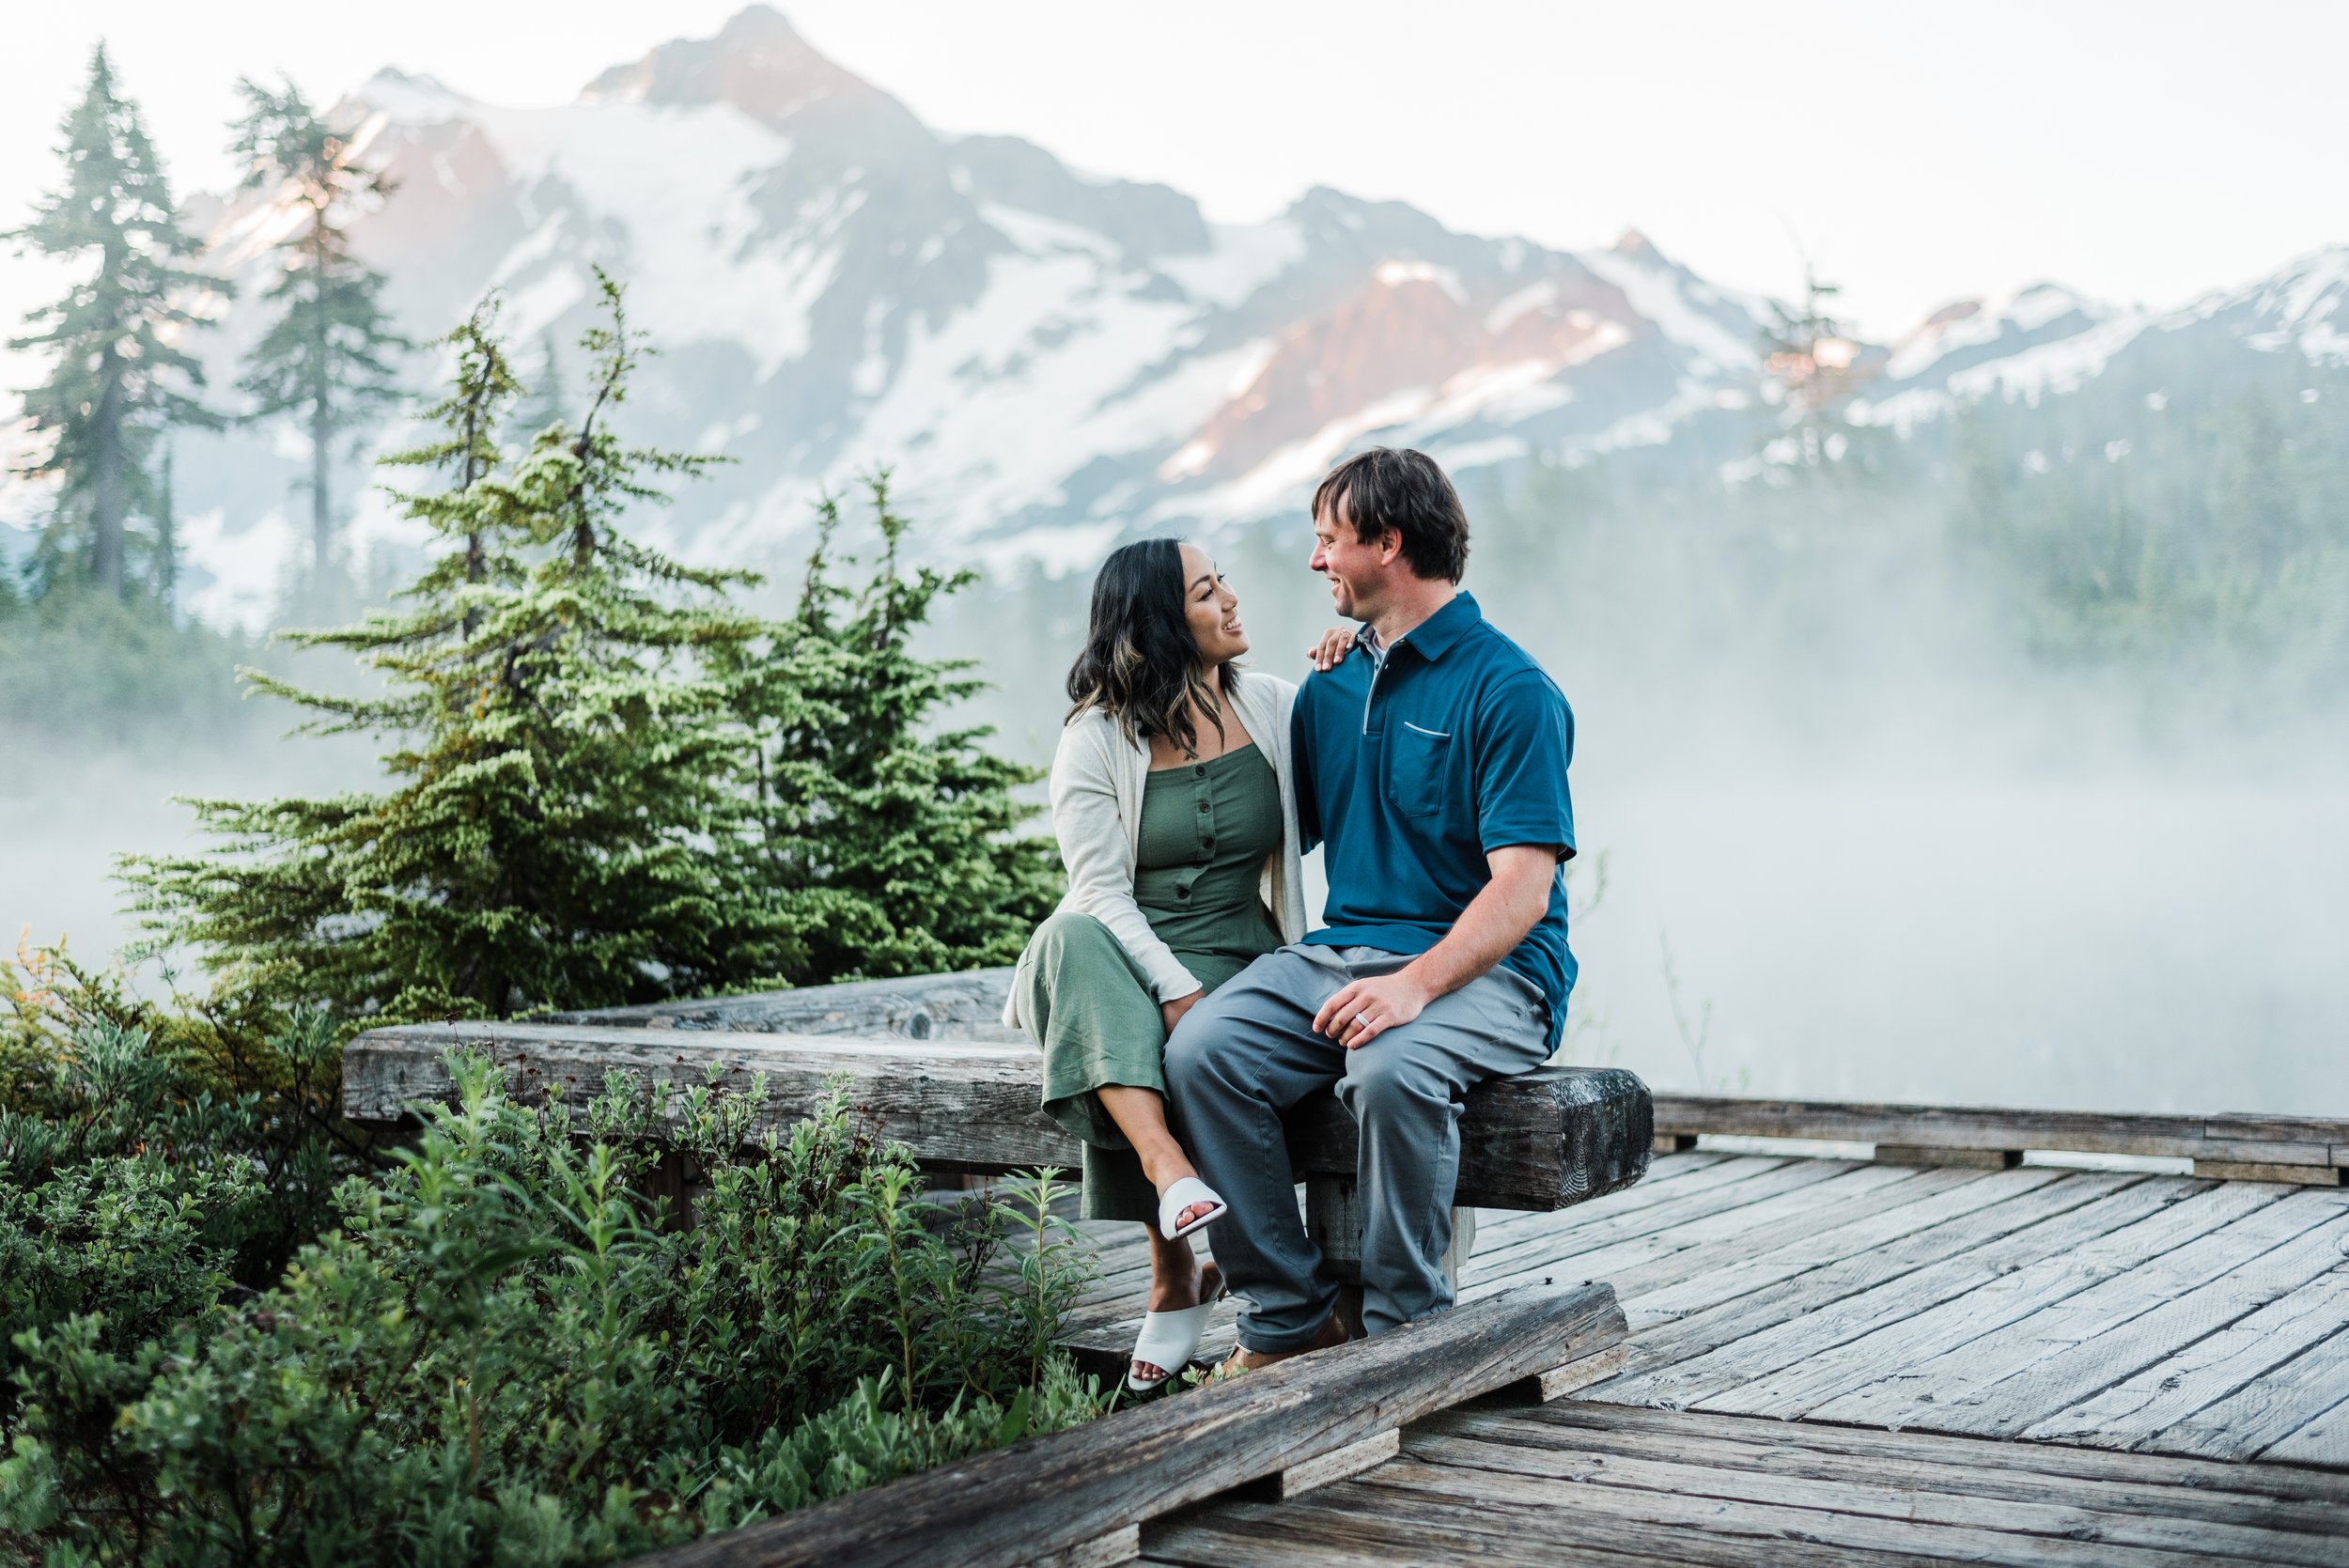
(1966, 1349)
(1845, 1361)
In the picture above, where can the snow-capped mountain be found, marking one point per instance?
(1047, 358)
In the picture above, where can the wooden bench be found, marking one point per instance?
(927, 1059)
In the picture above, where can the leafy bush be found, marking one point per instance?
(118, 1112)
(504, 1354)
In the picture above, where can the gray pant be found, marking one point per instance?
(1247, 1053)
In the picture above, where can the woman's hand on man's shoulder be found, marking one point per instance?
(1331, 650)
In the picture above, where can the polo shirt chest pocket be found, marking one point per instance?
(1419, 766)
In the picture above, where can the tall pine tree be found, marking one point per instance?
(119, 378)
(328, 358)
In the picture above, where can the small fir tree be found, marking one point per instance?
(119, 378)
(566, 806)
(856, 796)
(328, 358)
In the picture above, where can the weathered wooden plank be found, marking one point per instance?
(2311, 1173)
(2267, 1410)
(2277, 1129)
(2157, 1487)
(1906, 1493)
(1929, 1198)
(2204, 1372)
(1543, 1139)
(1052, 1493)
(2272, 1139)
(2193, 1484)
(1759, 1523)
(1982, 1382)
(1575, 1375)
(1711, 1243)
(1978, 1159)
(1711, 1352)
(1906, 1329)
(1349, 1526)
(1102, 1551)
(2322, 1441)
(1325, 1470)
(2108, 1333)
(1384, 1526)
(1610, 1226)
(964, 1006)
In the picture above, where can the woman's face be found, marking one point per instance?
(1212, 609)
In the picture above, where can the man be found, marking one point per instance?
(1435, 772)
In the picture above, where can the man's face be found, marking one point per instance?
(1357, 572)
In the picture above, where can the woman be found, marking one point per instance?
(1172, 798)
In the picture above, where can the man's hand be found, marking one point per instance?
(1173, 1011)
(1496, 920)
(1367, 1009)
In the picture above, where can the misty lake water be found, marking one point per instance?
(2129, 942)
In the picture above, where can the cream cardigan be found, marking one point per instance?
(1097, 781)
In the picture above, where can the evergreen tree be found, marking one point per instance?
(328, 357)
(854, 797)
(119, 376)
(607, 784)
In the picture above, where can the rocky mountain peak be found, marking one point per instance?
(757, 62)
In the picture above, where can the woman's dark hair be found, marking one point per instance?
(1403, 490)
(1141, 664)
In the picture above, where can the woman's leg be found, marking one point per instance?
(1141, 1115)
(1176, 1280)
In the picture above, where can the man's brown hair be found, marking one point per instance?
(1403, 490)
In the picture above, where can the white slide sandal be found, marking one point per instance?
(1187, 1192)
(1169, 1340)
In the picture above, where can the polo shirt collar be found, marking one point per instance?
(1435, 635)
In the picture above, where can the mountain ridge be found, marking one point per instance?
(1052, 358)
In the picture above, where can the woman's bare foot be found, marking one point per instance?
(1174, 1287)
(1242, 1359)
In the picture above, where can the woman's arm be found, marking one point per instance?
(1096, 848)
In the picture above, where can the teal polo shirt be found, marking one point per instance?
(1413, 763)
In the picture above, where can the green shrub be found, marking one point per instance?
(503, 1355)
(118, 1112)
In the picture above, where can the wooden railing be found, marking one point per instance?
(2308, 1150)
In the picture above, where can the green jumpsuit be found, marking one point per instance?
(1206, 829)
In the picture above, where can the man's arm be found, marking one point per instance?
(1524, 739)
(1487, 931)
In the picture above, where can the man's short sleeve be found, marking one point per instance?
(1525, 740)
(1301, 768)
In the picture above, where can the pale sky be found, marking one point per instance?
(1922, 152)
